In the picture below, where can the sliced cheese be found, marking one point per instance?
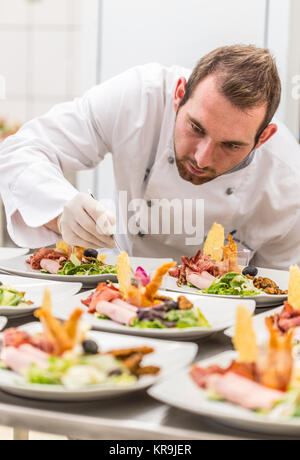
(215, 242)
(294, 287)
(244, 340)
(124, 273)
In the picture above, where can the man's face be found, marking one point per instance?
(211, 135)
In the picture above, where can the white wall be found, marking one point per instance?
(174, 32)
(170, 32)
(47, 56)
(284, 40)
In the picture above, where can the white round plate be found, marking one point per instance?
(281, 277)
(34, 290)
(179, 390)
(10, 253)
(18, 266)
(169, 356)
(219, 313)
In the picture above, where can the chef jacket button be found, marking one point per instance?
(149, 203)
(171, 160)
(141, 234)
(230, 191)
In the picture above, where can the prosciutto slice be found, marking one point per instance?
(45, 253)
(194, 267)
(19, 359)
(103, 293)
(117, 313)
(202, 281)
(244, 392)
(52, 266)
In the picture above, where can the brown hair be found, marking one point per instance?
(247, 77)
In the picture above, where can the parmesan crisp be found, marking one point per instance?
(244, 340)
(215, 242)
(294, 287)
(124, 273)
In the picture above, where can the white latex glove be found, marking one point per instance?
(86, 223)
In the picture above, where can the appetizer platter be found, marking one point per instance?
(255, 388)
(67, 362)
(215, 271)
(72, 264)
(137, 307)
(21, 296)
(283, 318)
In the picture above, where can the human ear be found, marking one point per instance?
(179, 92)
(267, 134)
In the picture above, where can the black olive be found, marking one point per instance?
(91, 253)
(115, 373)
(251, 271)
(90, 347)
(171, 304)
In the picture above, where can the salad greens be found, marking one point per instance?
(182, 318)
(233, 284)
(94, 268)
(9, 297)
(78, 371)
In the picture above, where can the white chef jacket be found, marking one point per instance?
(132, 116)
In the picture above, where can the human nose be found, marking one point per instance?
(204, 153)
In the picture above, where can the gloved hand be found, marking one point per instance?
(86, 223)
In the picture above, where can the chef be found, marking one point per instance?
(205, 142)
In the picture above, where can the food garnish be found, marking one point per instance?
(140, 306)
(294, 287)
(244, 338)
(265, 381)
(69, 260)
(233, 284)
(214, 243)
(123, 273)
(10, 297)
(206, 270)
(64, 354)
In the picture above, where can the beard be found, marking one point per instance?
(208, 174)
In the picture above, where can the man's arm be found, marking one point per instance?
(53, 225)
(70, 137)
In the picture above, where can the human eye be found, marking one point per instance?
(232, 147)
(196, 128)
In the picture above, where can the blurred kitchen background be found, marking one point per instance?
(54, 50)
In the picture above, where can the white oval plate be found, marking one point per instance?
(34, 290)
(179, 390)
(169, 356)
(219, 313)
(10, 253)
(18, 266)
(281, 277)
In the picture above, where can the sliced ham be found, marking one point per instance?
(202, 281)
(244, 392)
(286, 324)
(19, 359)
(116, 313)
(127, 305)
(44, 253)
(52, 266)
(103, 292)
(201, 374)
